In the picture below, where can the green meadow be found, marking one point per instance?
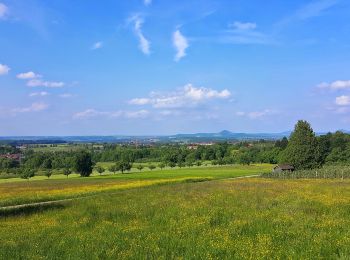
(18, 191)
(197, 213)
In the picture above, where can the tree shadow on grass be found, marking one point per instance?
(30, 209)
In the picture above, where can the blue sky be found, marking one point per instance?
(162, 67)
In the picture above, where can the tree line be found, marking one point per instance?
(303, 149)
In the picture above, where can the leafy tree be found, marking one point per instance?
(172, 164)
(189, 164)
(199, 163)
(339, 156)
(140, 167)
(67, 172)
(283, 143)
(152, 167)
(324, 143)
(124, 166)
(48, 173)
(47, 164)
(162, 166)
(83, 163)
(302, 150)
(100, 169)
(244, 158)
(113, 168)
(27, 173)
(270, 155)
(181, 164)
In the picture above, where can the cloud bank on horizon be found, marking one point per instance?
(164, 67)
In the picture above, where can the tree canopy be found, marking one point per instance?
(83, 163)
(302, 150)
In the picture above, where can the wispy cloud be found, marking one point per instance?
(35, 107)
(242, 25)
(244, 33)
(66, 95)
(44, 83)
(256, 114)
(97, 45)
(314, 8)
(93, 113)
(39, 94)
(3, 11)
(4, 69)
(144, 44)
(335, 85)
(189, 95)
(147, 2)
(180, 43)
(308, 11)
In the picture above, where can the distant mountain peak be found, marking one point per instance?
(225, 132)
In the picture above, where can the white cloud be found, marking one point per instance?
(28, 75)
(97, 45)
(39, 94)
(189, 95)
(243, 26)
(343, 100)
(140, 101)
(35, 107)
(93, 113)
(3, 11)
(34, 80)
(256, 114)
(144, 44)
(336, 85)
(4, 69)
(181, 44)
(43, 83)
(147, 2)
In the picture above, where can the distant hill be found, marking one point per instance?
(224, 135)
(237, 136)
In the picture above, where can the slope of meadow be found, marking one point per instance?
(222, 219)
(19, 191)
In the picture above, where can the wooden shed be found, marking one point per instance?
(284, 168)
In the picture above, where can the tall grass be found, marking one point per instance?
(326, 172)
(227, 219)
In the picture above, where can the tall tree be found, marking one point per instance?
(124, 166)
(83, 163)
(302, 150)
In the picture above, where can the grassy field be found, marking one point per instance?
(19, 191)
(222, 219)
(62, 147)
